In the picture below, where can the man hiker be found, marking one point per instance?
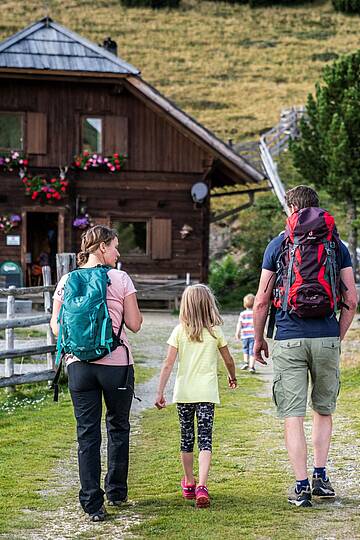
(307, 273)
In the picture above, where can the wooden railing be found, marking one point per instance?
(11, 323)
(275, 141)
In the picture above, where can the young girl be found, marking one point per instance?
(245, 330)
(196, 341)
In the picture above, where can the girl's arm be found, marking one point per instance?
(166, 370)
(230, 365)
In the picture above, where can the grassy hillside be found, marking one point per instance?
(230, 67)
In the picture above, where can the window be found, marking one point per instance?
(92, 134)
(133, 237)
(11, 131)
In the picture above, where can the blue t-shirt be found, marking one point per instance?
(290, 326)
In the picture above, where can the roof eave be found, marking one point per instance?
(62, 73)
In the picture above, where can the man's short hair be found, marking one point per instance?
(302, 197)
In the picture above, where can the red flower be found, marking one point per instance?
(48, 196)
(25, 162)
(53, 180)
(63, 189)
(116, 155)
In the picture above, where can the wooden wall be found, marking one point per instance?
(162, 166)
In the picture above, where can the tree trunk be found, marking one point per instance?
(353, 233)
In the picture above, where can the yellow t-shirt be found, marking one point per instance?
(196, 378)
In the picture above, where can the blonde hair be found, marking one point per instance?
(249, 301)
(198, 310)
(91, 240)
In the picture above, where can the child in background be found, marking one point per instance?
(196, 341)
(245, 331)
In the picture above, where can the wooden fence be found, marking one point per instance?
(11, 323)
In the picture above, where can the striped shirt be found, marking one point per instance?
(247, 324)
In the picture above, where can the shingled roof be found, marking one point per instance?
(46, 45)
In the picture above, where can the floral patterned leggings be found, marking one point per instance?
(205, 419)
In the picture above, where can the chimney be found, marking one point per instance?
(110, 45)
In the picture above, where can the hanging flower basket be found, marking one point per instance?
(8, 222)
(40, 189)
(12, 160)
(86, 161)
(82, 221)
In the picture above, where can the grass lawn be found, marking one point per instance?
(35, 434)
(249, 478)
(248, 481)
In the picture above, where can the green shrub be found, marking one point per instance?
(151, 3)
(231, 281)
(347, 6)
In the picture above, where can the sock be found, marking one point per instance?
(320, 472)
(301, 484)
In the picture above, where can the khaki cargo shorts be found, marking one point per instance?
(297, 360)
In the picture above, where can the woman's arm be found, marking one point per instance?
(166, 370)
(54, 317)
(230, 365)
(132, 315)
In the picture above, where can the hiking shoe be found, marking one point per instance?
(322, 488)
(100, 515)
(118, 502)
(244, 366)
(303, 498)
(188, 490)
(202, 497)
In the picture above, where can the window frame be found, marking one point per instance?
(83, 117)
(21, 115)
(129, 256)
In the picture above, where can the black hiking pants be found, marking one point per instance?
(89, 384)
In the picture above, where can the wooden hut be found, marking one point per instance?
(64, 100)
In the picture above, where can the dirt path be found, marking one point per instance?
(69, 522)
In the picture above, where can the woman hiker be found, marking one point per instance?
(110, 377)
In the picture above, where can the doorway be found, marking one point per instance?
(41, 247)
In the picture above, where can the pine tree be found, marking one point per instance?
(327, 153)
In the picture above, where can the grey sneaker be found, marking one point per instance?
(322, 488)
(300, 499)
(100, 515)
(244, 366)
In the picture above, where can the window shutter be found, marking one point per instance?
(161, 238)
(115, 135)
(36, 133)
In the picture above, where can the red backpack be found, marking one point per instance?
(308, 276)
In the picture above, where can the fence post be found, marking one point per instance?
(46, 273)
(64, 263)
(9, 338)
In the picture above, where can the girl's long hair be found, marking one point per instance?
(91, 240)
(198, 310)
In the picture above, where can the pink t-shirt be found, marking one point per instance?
(120, 287)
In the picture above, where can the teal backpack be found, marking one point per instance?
(85, 326)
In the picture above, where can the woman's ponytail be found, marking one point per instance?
(82, 258)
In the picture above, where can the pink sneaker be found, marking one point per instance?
(188, 490)
(202, 497)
